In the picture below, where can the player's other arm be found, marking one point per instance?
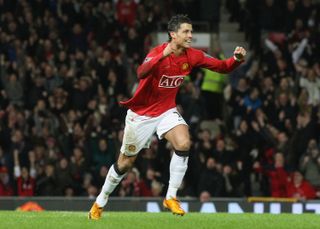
(148, 64)
(152, 59)
(223, 66)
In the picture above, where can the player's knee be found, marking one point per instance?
(124, 163)
(124, 166)
(183, 145)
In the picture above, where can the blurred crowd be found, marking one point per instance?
(65, 65)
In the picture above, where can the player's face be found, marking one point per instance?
(183, 36)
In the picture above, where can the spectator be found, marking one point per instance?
(246, 141)
(305, 131)
(211, 179)
(251, 103)
(268, 96)
(100, 176)
(305, 10)
(133, 44)
(35, 93)
(92, 191)
(52, 80)
(14, 90)
(222, 155)
(156, 189)
(87, 185)
(286, 110)
(299, 188)
(25, 179)
(291, 15)
(310, 164)
(126, 12)
(283, 146)
(269, 15)
(103, 153)
(312, 85)
(69, 192)
(237, 101)
(64, 177)
(204, 146)
(46, 183)
(130, 185)
(212, 90)
(233, 184)
(5, 184)
(278, 176)
(78, 164)
(204, 196)
(81, 94)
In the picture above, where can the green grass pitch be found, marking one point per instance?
(141, 220)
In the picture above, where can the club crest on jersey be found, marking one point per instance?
(170, 81)
(131, 148)
(185, 66)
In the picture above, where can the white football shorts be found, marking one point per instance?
(139, 129)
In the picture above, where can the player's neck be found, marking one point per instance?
(178, 49)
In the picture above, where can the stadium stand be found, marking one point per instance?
(65, 65)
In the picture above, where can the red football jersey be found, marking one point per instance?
(156, 93)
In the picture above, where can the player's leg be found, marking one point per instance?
(137, 132)
(180, 140)
(177, 133)
(115, 174)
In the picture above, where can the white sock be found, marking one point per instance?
(111, 182)
(178, 168)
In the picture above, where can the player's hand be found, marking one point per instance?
(168, 50)
(239, 53)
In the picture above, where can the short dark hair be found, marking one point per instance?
(176, 21)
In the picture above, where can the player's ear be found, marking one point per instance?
(173, 34)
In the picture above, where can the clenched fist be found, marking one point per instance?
(239, 53)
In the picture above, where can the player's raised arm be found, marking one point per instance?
(152, 59)
(148, 64)
(223, 66)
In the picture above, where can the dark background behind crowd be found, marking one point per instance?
(65, 65)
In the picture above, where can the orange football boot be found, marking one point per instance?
(174, 206)
(95, 212)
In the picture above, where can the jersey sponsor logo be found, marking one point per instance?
(170, 81)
